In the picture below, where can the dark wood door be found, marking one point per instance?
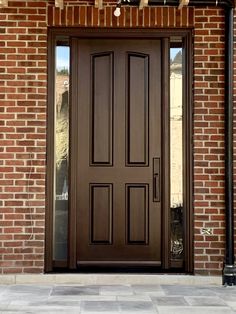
(118, 138)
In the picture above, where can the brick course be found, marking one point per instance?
(23, 80)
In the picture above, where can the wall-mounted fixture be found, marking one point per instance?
(118, 6)
(117, 10)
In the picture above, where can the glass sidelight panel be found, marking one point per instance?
(176, 153)
(61, 153)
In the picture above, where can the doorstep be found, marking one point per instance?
(110, 279)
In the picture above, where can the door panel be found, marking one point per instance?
(118, 135)
(102, 108)
(101, 206)
(137, 109)
(137, 209)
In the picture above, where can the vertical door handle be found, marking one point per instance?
(156, 179)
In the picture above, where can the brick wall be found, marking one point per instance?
(209, 139)
(23, 41)
(23, 68)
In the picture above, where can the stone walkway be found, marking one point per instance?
(138, 299)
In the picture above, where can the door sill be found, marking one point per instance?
(110, 279)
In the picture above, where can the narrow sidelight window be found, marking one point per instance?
(60, 217)
(176, 155)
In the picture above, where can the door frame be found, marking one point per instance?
(123, 33)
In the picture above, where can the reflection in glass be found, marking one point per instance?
(176, 153)
(61, 152)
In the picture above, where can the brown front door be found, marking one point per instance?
(118, 146)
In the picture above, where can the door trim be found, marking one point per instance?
(113, 33)
(165, 158)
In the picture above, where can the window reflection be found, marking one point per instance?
(61, 152)
(176, 153)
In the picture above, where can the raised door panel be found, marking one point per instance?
(101, 206)
(137, 209)
(137, 124)
(101, 109)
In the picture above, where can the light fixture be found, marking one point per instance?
(118, 6)
(117, 10)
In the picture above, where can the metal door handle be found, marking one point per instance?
(156, 179)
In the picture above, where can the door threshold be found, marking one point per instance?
(110, 279)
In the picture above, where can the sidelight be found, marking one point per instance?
(176, 154)
(61, 153)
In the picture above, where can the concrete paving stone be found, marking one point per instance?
(145, 312)
(99, 307)
(169, 301)
(74, 290)
(33, 312)
(18, 312)
(153, 311)
(95, 312)
(116, 290)
(231, 304)
(23, 299)
(136, 297)
(4, 302)
(4, 288)
(56, 312)
(28, 301)
(227, 297)
(31, 288)
(187, 290)
(146, 288)
(18, 292)
(221, 290)
(45, 308)
(205, 301)
(3, 307)
(84, 298)
(136, 306)
(194, 310)
(151, 290)
(61, 303)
